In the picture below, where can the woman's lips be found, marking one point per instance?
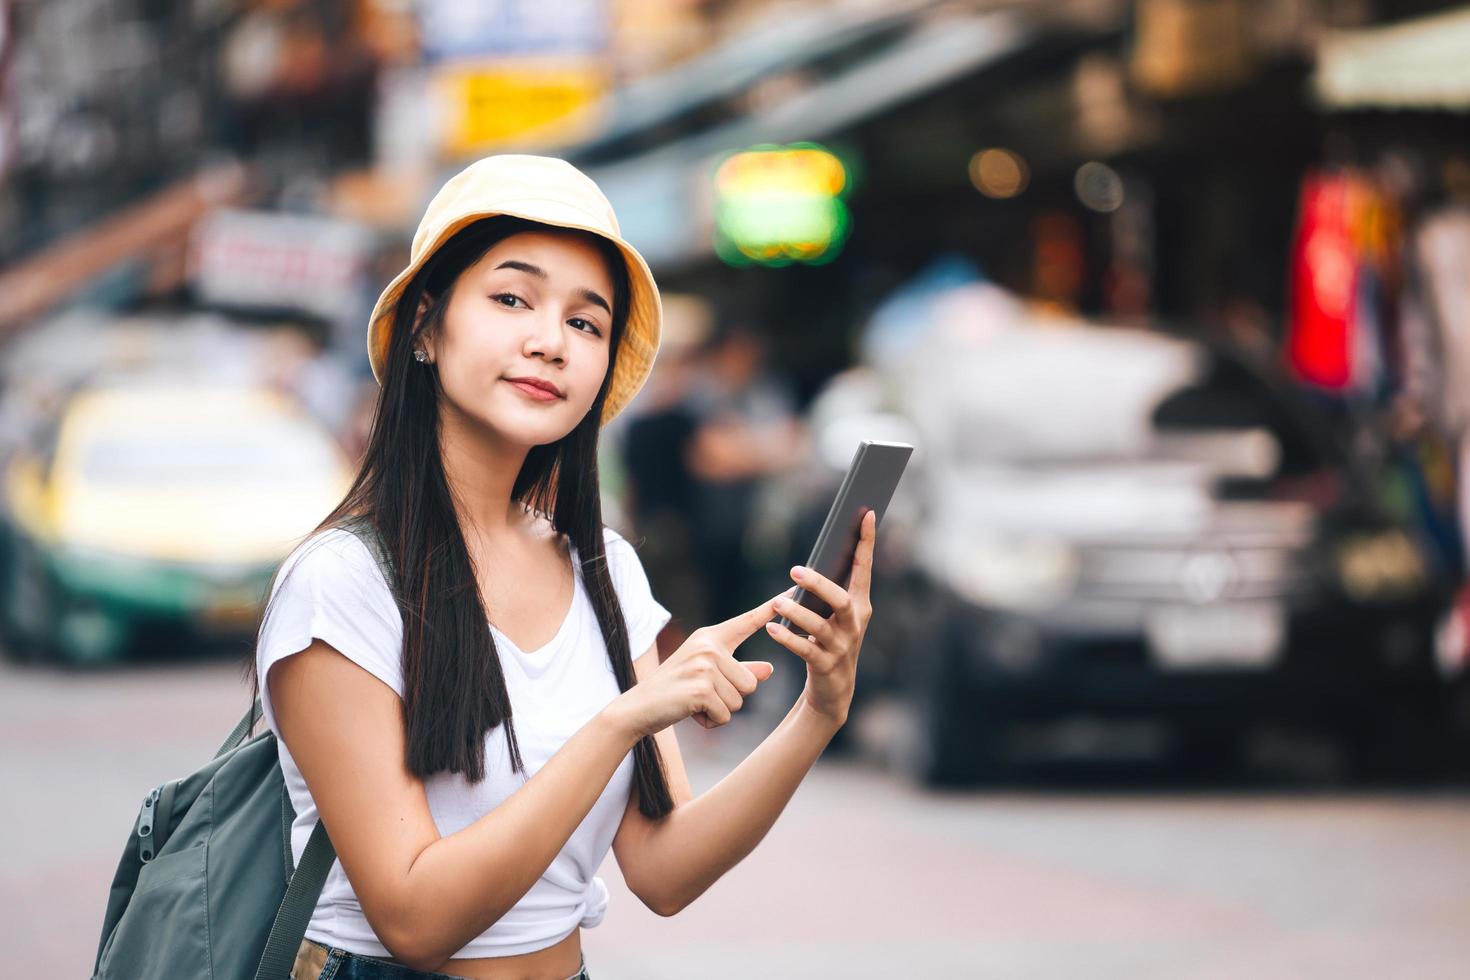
(531, 391)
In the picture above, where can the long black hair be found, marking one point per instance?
(454, 690)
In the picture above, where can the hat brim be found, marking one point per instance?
(638, 347)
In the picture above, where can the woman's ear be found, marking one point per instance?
(423, 339)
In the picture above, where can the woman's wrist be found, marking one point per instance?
(819, 720)
(616, 724)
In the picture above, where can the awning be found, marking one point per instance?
(659, 195)
(732, 67)
(1418, 64)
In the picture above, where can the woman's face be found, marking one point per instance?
(537, 305)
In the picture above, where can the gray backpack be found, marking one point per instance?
(205, 887)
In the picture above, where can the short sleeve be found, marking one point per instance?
(645, 615)
(331, 588)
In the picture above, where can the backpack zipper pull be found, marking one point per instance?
(146, 823)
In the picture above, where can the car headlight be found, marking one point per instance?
(1378, 567)
(1026, 575)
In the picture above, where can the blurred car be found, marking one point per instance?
(157, 506)
(1165, 533)
(1115, 524)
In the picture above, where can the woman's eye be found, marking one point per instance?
(501, 297)
(592, 326)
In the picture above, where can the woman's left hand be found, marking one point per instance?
(831, 650)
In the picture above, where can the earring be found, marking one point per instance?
(420, 356)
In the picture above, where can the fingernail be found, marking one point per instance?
(772, 627)
(797, 571)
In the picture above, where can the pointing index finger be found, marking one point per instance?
(737, 629)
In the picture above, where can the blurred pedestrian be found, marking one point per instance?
(661, 489)
(1436, 329)
(313, 374)
(746, 429)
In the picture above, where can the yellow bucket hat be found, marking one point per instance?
(553, 192)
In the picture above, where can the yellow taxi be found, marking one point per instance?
(158, 505)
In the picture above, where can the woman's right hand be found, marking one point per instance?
(702, 679)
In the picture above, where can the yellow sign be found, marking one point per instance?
(489, 105)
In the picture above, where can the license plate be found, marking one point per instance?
(1234, 635)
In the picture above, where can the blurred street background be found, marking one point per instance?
(1169, 668)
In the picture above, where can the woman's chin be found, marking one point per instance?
(535, 427)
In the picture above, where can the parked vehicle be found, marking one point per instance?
(1117, 524)
(156, 505)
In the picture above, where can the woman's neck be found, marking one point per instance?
(481, 471)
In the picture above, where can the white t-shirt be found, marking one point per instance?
(330, 587)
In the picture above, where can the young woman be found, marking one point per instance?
(477, 719)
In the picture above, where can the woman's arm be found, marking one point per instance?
(425, 896)
(671, 862)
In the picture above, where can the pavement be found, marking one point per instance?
(863, 876)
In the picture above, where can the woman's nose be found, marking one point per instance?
(546, 338)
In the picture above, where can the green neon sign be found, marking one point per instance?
(775, 205)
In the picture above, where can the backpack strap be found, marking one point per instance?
(241, 729)
(310, 875)
(297, 905)
(306, 883)
(305, 887)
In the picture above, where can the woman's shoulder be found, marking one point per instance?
(620, 550)
(646, 617)
(330, 588)
(620, 553)
(623, 560)
(332, 545)
(333, 555)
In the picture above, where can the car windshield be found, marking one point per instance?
(274, 452)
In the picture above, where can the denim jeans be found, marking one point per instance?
(317, 962)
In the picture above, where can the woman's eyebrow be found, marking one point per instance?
(595, 299)
(540, 273)
(526, 267)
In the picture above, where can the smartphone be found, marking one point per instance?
(871, 479)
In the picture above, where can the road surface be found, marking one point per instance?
(863, 876)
